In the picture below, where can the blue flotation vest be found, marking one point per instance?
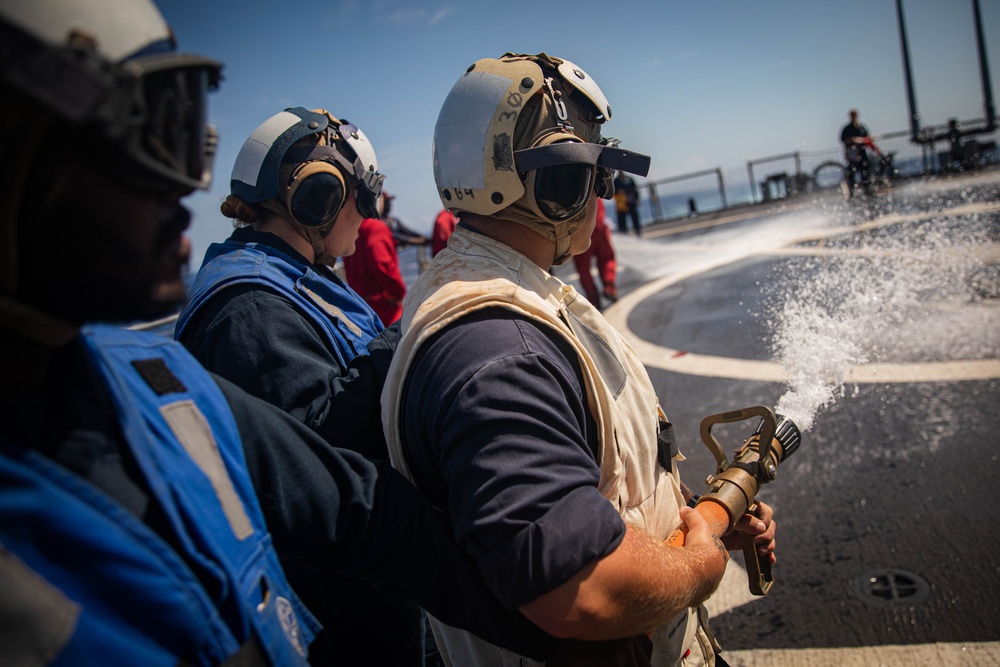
(129, 596)
(348, 322)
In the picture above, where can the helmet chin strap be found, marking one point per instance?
(560, 233)
(314, 235)
(562, 253)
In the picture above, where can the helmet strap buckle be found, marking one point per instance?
(557, 100)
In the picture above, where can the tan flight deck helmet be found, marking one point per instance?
(518, 138)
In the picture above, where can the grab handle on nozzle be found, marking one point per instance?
(759, 575)
(766, 427)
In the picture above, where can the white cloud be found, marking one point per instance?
(408, 15)
(442, 14)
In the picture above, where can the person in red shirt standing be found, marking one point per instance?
(601, 248)
(444, 225)
(373, 270)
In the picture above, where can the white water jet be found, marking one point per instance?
(902, 293)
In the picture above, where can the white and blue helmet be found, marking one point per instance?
(303, 165)
(316, 152)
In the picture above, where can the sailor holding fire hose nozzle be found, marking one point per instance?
(518, 410)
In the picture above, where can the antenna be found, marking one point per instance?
(916, 135)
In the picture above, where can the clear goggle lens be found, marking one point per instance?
(367, 201)
(171, 138)
(365, 167)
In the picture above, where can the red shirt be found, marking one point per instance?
(373, 270)
(444, 225)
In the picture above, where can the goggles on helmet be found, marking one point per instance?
(169, 136)
(561, 191)
(561, 175)
(365, 169)
(151, 108)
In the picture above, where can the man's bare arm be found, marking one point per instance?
(640, 585)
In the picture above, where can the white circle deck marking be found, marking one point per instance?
(690, 363)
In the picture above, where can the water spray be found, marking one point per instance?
(734, 486)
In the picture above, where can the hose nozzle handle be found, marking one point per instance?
(759, 575)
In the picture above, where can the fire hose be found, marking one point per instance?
(734, 486)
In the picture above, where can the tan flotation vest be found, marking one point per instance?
(476, 272)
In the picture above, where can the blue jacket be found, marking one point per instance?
(198, 594)
(337, 310)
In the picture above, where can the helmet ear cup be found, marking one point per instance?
(315, 194)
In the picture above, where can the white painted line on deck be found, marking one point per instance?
(967, 654)
(733, 591)
(680, 361)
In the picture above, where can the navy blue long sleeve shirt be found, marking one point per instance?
(497, 432)
(260, 341)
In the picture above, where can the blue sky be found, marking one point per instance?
(696, 84)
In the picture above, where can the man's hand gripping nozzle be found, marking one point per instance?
(733, 489)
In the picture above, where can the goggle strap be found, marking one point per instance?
(304, 154)
(173, 61)
(619, 159)
(552, 155)
(69, 82)
(300, 154)
(530, 159)
(372, 180)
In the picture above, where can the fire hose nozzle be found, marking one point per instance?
(733, 489)
(786, 436)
